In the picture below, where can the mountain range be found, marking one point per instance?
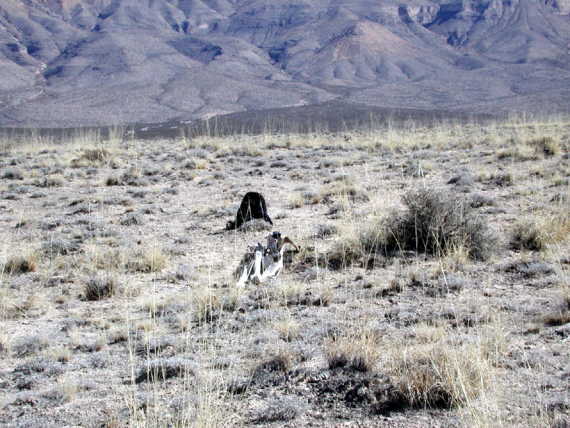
(102, 62)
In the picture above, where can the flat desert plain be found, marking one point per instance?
(431, 288)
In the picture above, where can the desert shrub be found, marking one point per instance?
(113, 180)
(433, 223)
(100, 288)
(16, 265)
(526, 235)
(546, 146)
(12, 174)
(161, 369)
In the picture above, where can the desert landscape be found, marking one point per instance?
(431, 287)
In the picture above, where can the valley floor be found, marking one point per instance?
(118, 306)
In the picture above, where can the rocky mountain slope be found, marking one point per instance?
(89, 62)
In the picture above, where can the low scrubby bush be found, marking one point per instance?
(432, 223)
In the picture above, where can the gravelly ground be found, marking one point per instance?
(148, 219)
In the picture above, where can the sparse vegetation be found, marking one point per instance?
(432, 223)
(359, 352)
(98, 288)
(12, 174)
(288, 329)
(546, 146)
(146, 260)
(28, 345)
(16, 265)
(97, 154)
(538, 234)
(116, 282)
(164, 368)
(207, 305)
(436, 376)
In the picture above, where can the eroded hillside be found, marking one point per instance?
(84, 62)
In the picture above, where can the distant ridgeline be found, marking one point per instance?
(97, 63)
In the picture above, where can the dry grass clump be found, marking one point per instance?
(342, 189)
(105, 258)
(561, 315)
(288, 329)
(98, 154)
(546, 146)
(160, 369)
(98, 288)
(207, 305)
(297, 200)
(358, 352)
(14, 305)
(146, 260)
(440, 376)
(17, 265)
(537, 234)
